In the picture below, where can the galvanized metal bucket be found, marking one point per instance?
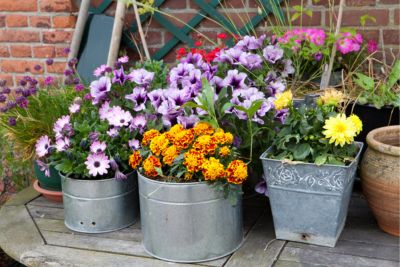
(98, 206)
(188, 222)
(309, 203)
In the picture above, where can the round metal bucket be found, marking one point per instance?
(98, 206)
(188, 222)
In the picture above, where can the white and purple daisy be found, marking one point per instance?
(97, 164)
(98, 147)
(134, 144)
(42, 146)
(74, 108)
(120, 118)
(99, 89)
(139, 123)
(62, 144)
(62, 127)
(113, 132)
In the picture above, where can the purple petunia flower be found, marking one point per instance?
(141, 77)
(12, 121)
(119, 76)
(272, 53)
(42, 146)
(274, 87)
(134, 144)
(156, 97)
(235, 79)
(139, 123)
(179, 97)
(230, 56)
(179, 72)
(195, 59)
(318, 56)
(138, 97)
(99, 89)
(97, 164)
(62, 144)
(98, 147)
(250, 43)
(288, 68)
(250, 61)
(281, 115)
(43, 167)
(188, 122)
(261, 188)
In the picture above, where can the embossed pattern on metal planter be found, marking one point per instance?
(309, 203)
(188, 222)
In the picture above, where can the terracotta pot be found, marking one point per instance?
(380, 177)
(55, 196)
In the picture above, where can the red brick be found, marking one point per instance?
(371, 34)
(40, 22)
(174, 4)
(60, 51)
(21, 51)
(154, 38)
(389, 2)
(57, 6)
(56, 67)
(4, 51)
(325, 3)
(352, 17)
(17, 21)
(64, 21)
(44, 51)
(178, 19)
(57, 37)
(360, 2)
(18, 5)
(391, 37)
(19, 36)
(2, 21)
(20, 66)
(397, 16)
(304, 20)
(8, 78)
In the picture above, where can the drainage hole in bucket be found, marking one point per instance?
(93, 223)
(304, 236)
(81, 223)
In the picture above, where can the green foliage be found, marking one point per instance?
(365, 18)
(300, 138)
(380, 92)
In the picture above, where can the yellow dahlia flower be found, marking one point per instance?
(339, 130)
(356, 122)
(283, 100)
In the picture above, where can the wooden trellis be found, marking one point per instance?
(183, 34)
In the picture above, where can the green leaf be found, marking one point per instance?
(255, 106)
(302, 151)
(365, 82)
(308, 12)
(295, 16)
(321, 159)
(364, 18)
(226, 106)
(159, 171)
(394, 75)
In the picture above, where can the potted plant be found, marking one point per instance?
(190, 193)
(380, 168)
(309, 170)
(27, 114)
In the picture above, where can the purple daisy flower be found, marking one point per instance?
(113, 132)
(138, 97)
(134, 144)
(42, 146)
(272, 53)
(139, 123)
(188, 122)
(141, 77)
(119, 76)
(43, 167)
(62, 126)
(99, 89)
(62, 144)
(120, 118)
(98, 147)
(74, 108)
(97, 164)
(235, 79)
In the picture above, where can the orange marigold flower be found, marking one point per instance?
(188, 176)
(213, 169)
(150, 164)
(184, 139)
(158, 144)
(236, 173)
(170, 154)
(205, 144)
(148, 136)
(203, 128)
(224, 151)
(135, 159)
(177, 128)
(222, 138)
(193, 160)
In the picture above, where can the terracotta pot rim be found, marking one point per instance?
(37, 187)
(375, 144)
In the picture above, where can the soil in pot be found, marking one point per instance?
(380, 177)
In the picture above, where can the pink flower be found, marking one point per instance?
(42, 146)
(97, 164)
(49, 81)
(372, 46)
(98, 147)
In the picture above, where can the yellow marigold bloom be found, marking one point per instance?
(184, 139)
(213, 169)
(158, 144)
(222, 138)
(177, 128)
(224, 151)
(339, 130)
(236, 173)
(283, 100)
(135, 159)
(205, 144)
(170, 154)
(188, 176)
(193, 160)
(331, 97)
(149, 166)
(356, 122)
(203, 128)
(148, 136)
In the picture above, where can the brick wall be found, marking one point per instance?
(33, 30)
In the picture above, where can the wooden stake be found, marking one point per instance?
(79, 29)
(140, 29)
(116, 33)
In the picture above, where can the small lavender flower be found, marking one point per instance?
(97, 164)
(99, 89)
(100, 71)
(318, 56)
(19, 91)
(43, 167)
(188, 122)
(33, 90)
(22, 82)
(134, 144)
(139, 123)
(288, 68)
(6, 91)
(49, 80)
(3, 98)
(33, 81)
(72, 62)
(3, 83)
(79, 87)
(123, 59)
(74, 108)
(49, 61)
(3, 109)
(12, 121)
(68, 72)
(66, 50)
(250, 61)
(261, 188)
(76, 80)
(119, 175)
(93, 136)
(98, 147)
(113, 132)
(138, 97)
(23, 103)
(11, 104)
(281, 115)
(62, 127)
(141, 77)
(272, 53)
(26, 92)
(37, 67)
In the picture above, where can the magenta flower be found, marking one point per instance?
(97, 164)
(49, 80)
(98, 147)
(372, 46)
(42, 146)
